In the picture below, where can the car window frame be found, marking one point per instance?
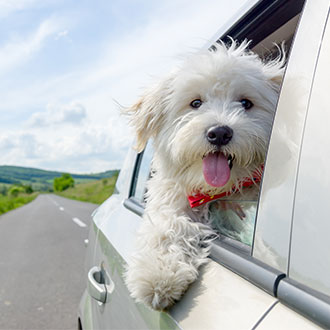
(130, 202)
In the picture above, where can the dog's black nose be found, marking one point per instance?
(219, 135)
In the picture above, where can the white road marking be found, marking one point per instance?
(78, 222)
(52, 201)
(61, 208)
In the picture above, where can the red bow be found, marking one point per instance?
(200, 199)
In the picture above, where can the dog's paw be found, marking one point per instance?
(162, 295)
(159, 287)
(160, 291)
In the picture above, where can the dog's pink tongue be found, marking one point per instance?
(216, 170)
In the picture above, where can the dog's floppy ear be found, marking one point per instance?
(275, 76)
(147, 114)
(274, 69)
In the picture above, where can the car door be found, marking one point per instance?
(117, 225)
(238, 288)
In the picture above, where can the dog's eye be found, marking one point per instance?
(196, 103)
(247, 104)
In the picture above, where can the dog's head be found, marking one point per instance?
(211, 118)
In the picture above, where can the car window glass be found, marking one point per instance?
(309, 254)
(142, 174)
(125, 172)
(234, 219)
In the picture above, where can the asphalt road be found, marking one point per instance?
(41, 263)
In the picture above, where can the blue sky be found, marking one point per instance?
(65, 63)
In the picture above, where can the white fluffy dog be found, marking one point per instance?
(210, 121)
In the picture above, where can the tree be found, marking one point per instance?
(64, 182)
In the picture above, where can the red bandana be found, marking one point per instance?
(199, 199)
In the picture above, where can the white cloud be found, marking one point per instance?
(9, 6)
(63, 35)
(73, 113)
(22, 145)
(18, 51)
(84, 148)
(6, 143)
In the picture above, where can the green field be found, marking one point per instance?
(8, 203)
(42, 180)
(94, 191)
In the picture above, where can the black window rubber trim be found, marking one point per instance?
(263, 19)
(136, 170)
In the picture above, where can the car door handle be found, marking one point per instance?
(99, 284)
(96, 288)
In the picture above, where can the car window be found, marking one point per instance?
(125, 173)
(142, 174)
(234, 220)
(309, 254)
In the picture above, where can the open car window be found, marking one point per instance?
(234, 220)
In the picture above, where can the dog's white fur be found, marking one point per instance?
(173, 241)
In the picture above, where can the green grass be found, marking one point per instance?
(94, 191)
(8, 203)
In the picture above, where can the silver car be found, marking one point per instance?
(280, 276)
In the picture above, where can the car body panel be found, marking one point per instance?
(85, 311)
(282, 317)
(221, 299)
(121, 311)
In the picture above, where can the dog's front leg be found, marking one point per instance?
(170, 250)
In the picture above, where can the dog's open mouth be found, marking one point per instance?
(216, 168)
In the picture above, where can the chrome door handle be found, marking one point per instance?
(99, 284)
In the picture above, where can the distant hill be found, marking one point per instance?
(42, 179)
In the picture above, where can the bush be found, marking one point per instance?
(28, 189)
(8, 203)
(15, 190)
(64, 182)
(3, 190)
